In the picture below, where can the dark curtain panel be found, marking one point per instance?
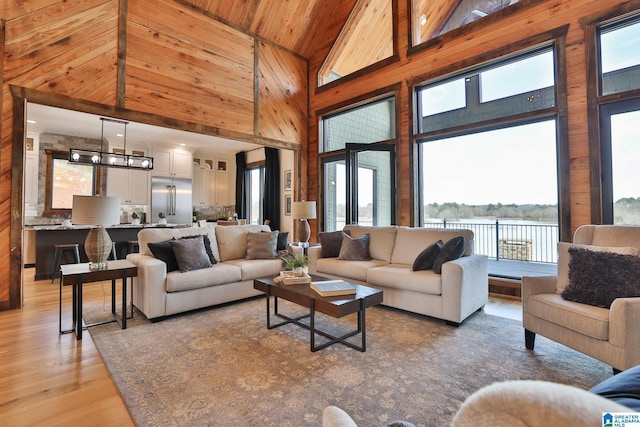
(241, 187)
(271, 202)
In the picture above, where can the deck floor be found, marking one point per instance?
(509, 269)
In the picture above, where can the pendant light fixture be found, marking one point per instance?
(113, 160)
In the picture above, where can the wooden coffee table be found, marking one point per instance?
(338, 306)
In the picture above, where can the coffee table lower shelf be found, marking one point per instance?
(333, 306)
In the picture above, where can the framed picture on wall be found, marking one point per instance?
(287, 204)
(287, 180)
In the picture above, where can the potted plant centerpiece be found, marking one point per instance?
(297, 263)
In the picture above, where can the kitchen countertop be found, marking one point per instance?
(50, 227)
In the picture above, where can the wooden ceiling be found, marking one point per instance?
(295, 25)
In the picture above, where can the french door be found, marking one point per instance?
(359, 186)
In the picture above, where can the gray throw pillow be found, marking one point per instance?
(355, 249)
(598, 278)
(262, 245)
(330, 242)
(424, 261)
(190, 254)
(207, 246)
(452, 249)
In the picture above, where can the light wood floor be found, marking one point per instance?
(54, 380)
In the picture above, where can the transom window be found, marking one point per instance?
(620, 56)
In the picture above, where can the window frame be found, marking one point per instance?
(554, 38)
(52, 156)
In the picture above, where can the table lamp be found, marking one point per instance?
(302, 211)
(98, 211)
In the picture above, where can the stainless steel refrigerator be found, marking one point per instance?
(172, 196)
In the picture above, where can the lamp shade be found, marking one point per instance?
(95, 210)
(303, 210)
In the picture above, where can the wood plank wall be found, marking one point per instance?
(484, 41)
(178, 66)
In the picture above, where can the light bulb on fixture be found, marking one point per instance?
(95, 158)
(112, 160)
(76, 157)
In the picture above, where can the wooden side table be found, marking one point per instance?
(78, 274)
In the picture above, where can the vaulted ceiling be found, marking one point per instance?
(295, 25)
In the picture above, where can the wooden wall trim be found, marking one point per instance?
(629, 7)
(365, 98)
(563, 160)
(122, 54)
(17, 173)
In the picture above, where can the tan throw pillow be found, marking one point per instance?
(262, 245)
(355, 249)
(563, 258)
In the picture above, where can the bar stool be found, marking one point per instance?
(131, 247)
(114, 253)
(59, 249)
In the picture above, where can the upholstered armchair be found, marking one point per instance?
(609, 334)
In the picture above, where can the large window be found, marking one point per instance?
(620, 120)
(488, 155)
(358, 165)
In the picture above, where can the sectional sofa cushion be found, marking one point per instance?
(262, 245)
(190, 254)
(402, 277)
(598, 278)
(354, 248)
(381, 239)
(218, 274)
(425, 259)
(411, 241)
(232, 240)
(355, 270)
(563, 258)
(451, 250)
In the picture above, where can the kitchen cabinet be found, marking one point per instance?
(172, 162)
(210, 182)
(31, 178)
(132, 186)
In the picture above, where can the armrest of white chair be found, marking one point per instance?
(332, 416)
(624, 318)
(533, 404)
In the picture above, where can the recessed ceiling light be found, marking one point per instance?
(423, 19)
(33, 122)
(119, 135)
(182, 144)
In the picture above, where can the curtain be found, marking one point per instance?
(271, 202)
(241, 187)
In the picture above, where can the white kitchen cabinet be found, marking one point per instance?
(131, 185)
(31, 178)
(210, 181)
(172, 162)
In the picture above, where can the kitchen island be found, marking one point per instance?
(47, 236)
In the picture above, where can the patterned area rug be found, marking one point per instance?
(221, 366)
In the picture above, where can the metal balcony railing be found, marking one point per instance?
(504, 240)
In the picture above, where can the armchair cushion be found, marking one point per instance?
(598, 278)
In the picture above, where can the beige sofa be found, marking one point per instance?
(459, 291)
(610, 335)
(158, 294)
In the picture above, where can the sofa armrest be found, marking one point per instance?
(465, 286)
(313, 253)
(534, 285)
(149, 286)
(332, 416)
